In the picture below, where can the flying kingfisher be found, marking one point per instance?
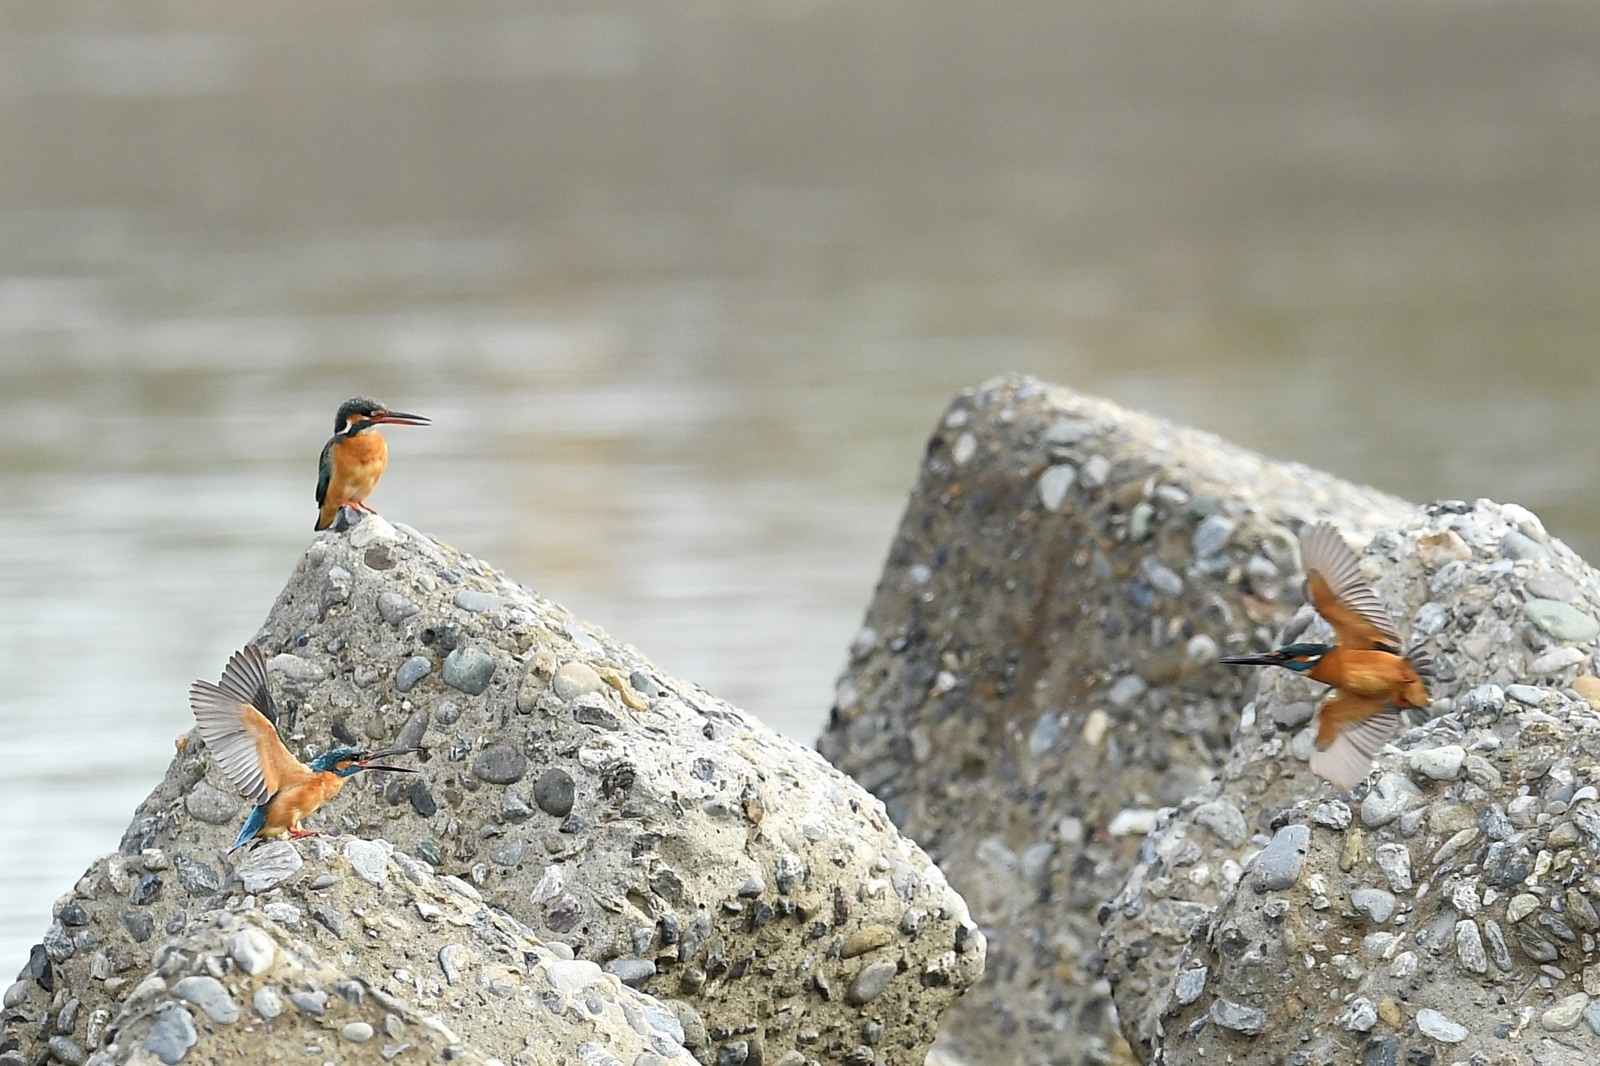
(235, 720)
(1374, 681)
(354, 457)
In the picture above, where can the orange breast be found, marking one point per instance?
(299, 801)
(1371, 674)
(357, 465)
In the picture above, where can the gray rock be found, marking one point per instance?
(369, 859)
(468, 600)
(468, 669)
(1562, 621)
(555, 792)
(870, 983)
(395, 608)
(1280, 862)
(631, 972)
(1375, 903)
(411, 671)
(171, 1036)
(209, 994)
(1440, 1027)
(1238, 1017)
(267, 1002)
(67, 1052)
(500, 765)
(268, 865)
(1098, 604)
(575, 679)
(1390, 797)
(211, 805)
(1566, 1014)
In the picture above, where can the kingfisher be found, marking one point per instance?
(235, 720)
(1374, 682)
(353, 459)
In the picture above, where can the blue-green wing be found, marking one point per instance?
(324, 471)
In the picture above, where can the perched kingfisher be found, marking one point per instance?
(354, 457)
(1374, 682)
(235, 720)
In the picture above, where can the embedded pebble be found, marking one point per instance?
(1162, 578)
(1556, 660)
(870, 983)
(1224, 820)
(1046, 733)
(555, 792)
(1190, 984)
(1561, 620)
(1441, 764)
(1238, 1017)
(1279, 864)
(1332, 814)
(211, 805)
(1390, 796)
(312, 1003)
(1359, 1016)
(477, 602)
(633, 972)
(571, 976)
(210, 995)
(395, 608)
(411, 671)
(66, 1051)
(1375, 903)
(1212, 535)
(369, 859)
(267, 1002)
(575, 679)
(1439, 1027)
(468, 670)
(252, 949)
(198, 878)
(171, 1035)
(1469, 946)
(357, 1032)
(1395, 862)
(1054, 483)
(1125, 691)
(1566, 1013)
(269, 865)
(500, 764)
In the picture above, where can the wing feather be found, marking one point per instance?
(325, 471)
(1350, 733)
(241, 739)
(1341, 594)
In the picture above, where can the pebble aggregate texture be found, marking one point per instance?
(623, 816)
(1443, 912)
(252, 980)
(1037, 673)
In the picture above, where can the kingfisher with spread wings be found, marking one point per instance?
(1374, 681)
(235, 719)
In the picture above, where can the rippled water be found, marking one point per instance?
(684, 287)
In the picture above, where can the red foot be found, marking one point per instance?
(297, 833)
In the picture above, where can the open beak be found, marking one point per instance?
(368, 764)
(399, 418)
(1268, 659)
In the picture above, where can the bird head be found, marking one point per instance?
(1296, 657)
(348, 761)
(361, 413)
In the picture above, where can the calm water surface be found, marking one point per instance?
(685, 286)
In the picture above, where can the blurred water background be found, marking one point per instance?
(684, 286)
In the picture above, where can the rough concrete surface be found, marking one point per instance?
(653, 829)
(1443, 912)
(1037, 673)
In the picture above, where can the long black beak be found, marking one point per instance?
(368, 764)
(1269, 659)
(399, 418)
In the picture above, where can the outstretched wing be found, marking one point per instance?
(1341, 595)
(324, 471)
(1350, 733)
(242, 740)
